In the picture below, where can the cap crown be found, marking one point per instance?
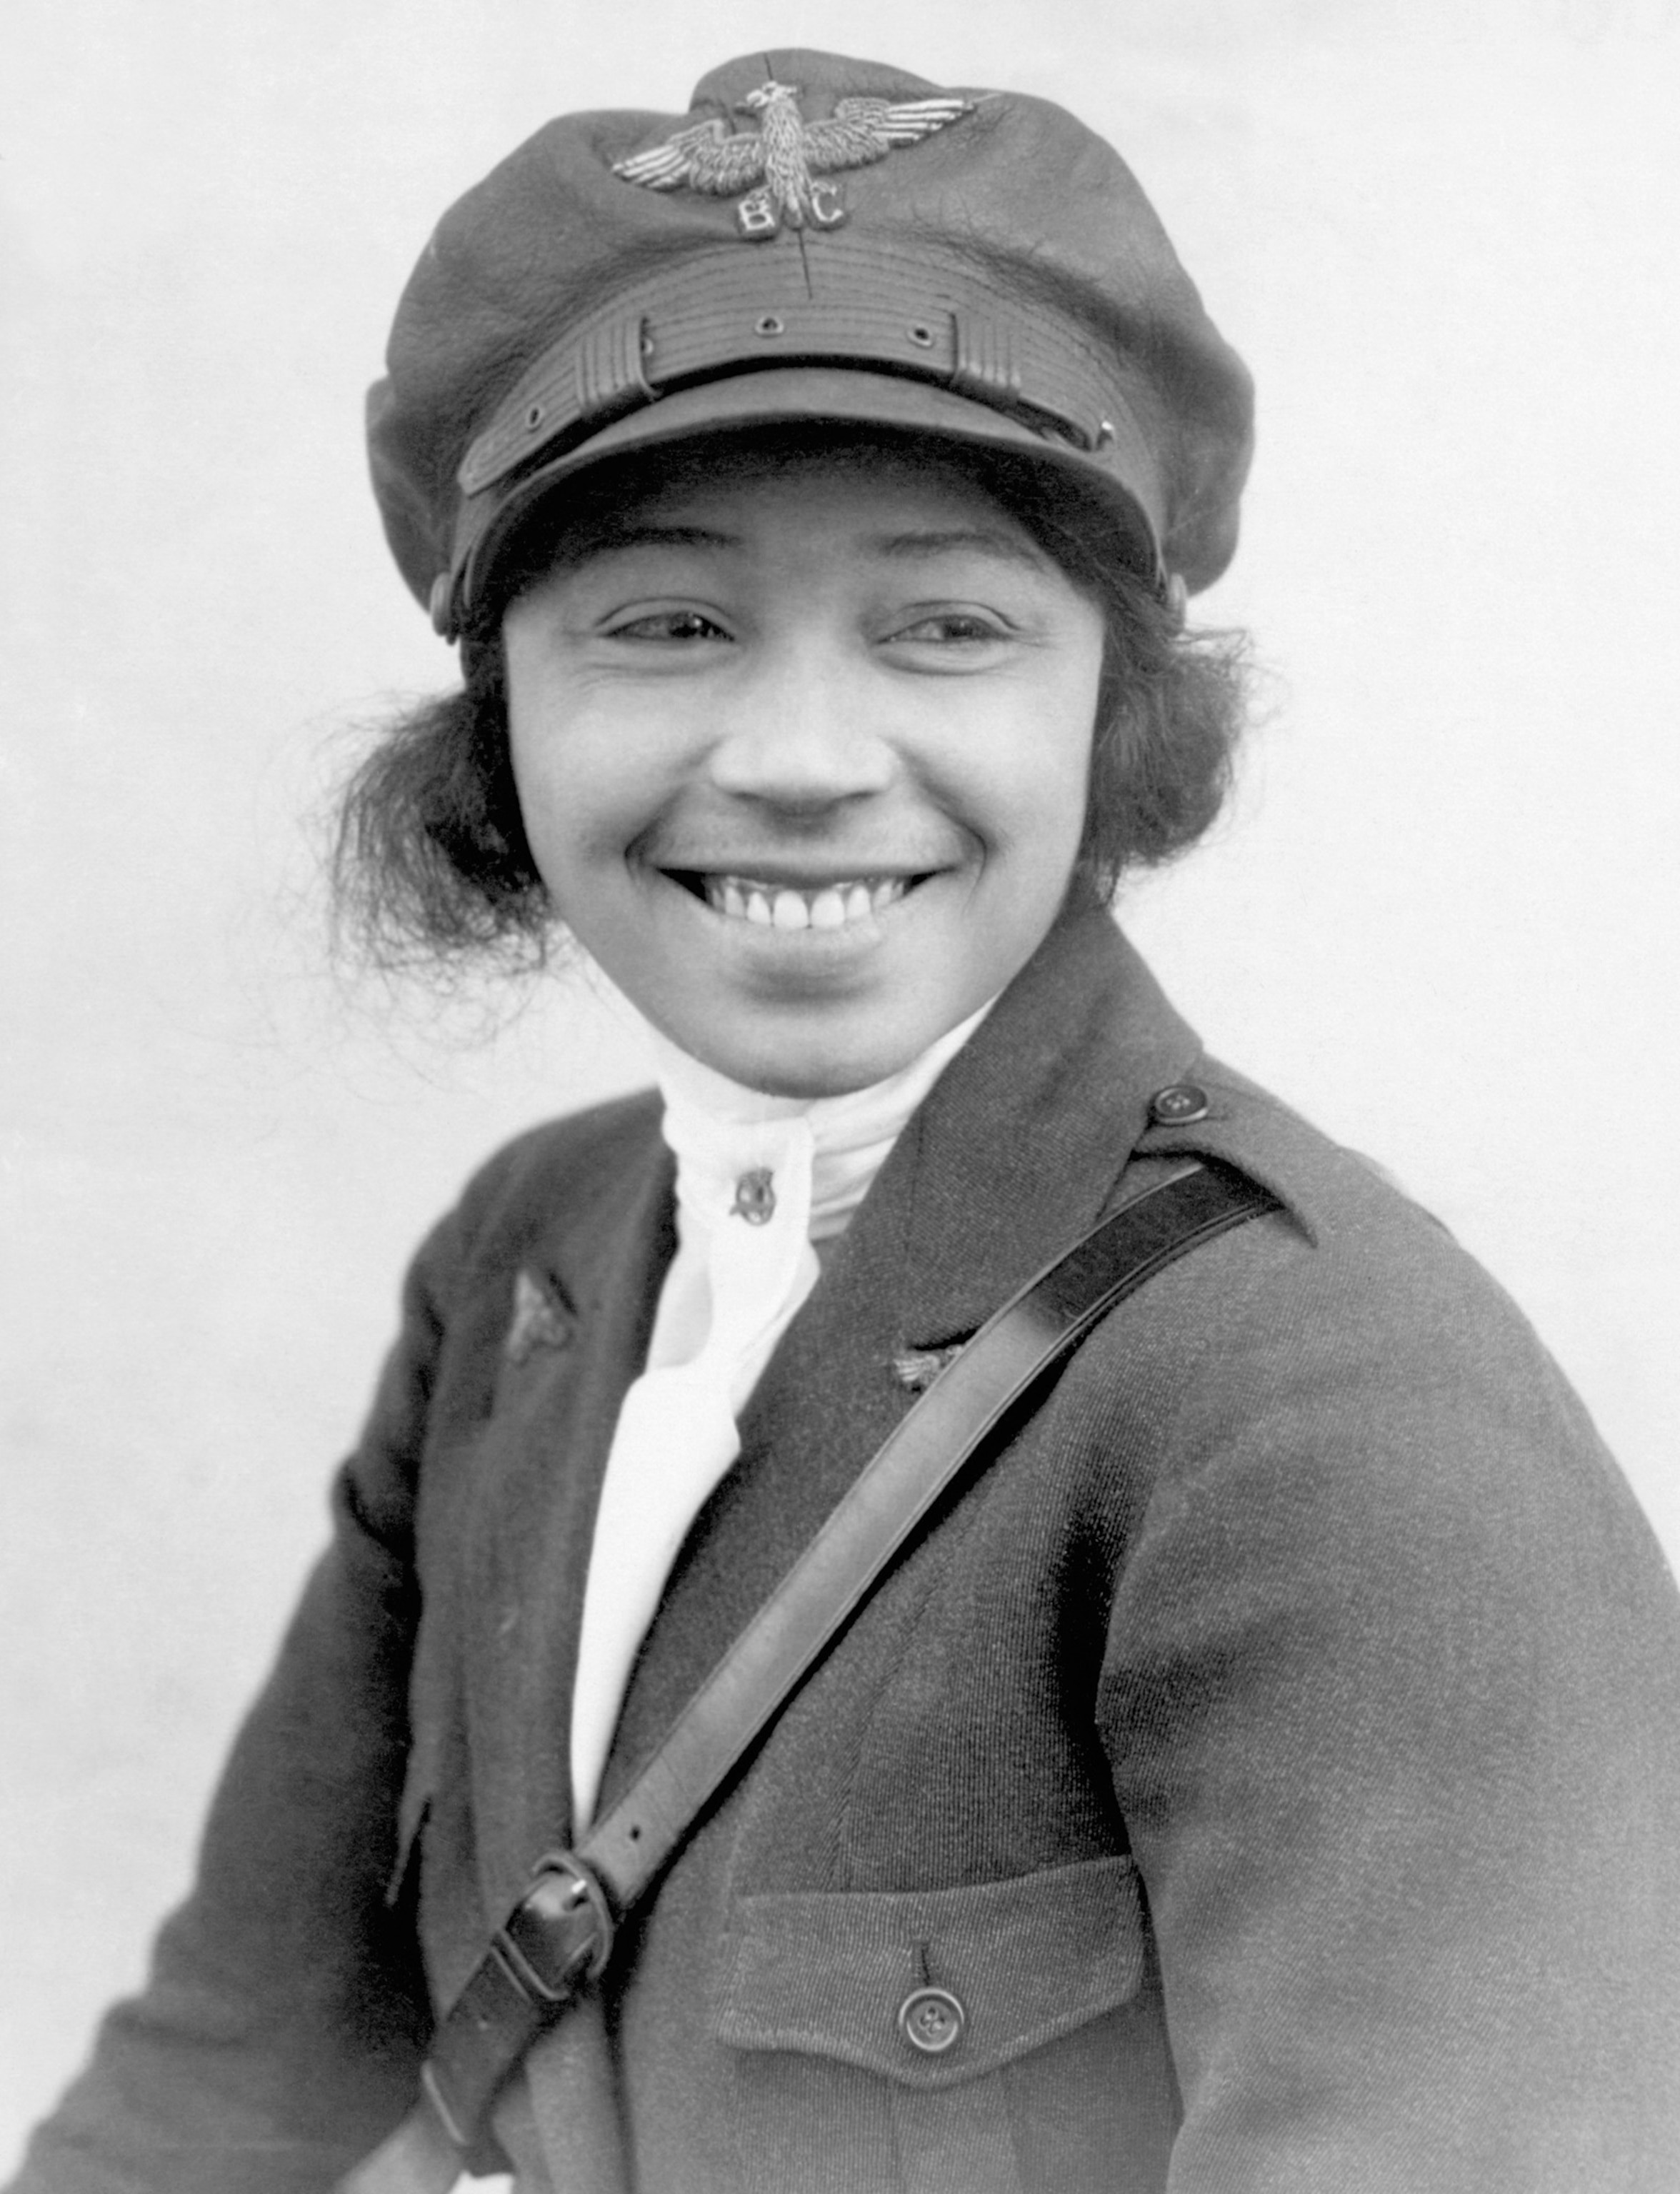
(808, 210)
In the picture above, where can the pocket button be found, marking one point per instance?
(931, 2020)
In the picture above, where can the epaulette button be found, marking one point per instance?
(1178, 1104)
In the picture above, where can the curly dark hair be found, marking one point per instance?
(430, 866)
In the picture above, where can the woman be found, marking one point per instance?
(1264, 1774)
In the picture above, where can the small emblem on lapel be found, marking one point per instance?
(540, 1319)
(917, 1368)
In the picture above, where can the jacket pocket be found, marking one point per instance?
(933, 2041)
(1009, 1965)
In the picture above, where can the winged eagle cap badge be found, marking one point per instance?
(785, 156)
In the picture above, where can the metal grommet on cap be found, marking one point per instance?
(932, 2020)
(769, 324)
(1178, 1104)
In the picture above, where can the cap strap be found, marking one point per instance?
(609, 375)
(987, 367)
(721, 314)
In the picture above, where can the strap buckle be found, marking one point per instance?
(559, 1937)
(554, 1942)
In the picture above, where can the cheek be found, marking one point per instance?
(576, 792)
(1048, 787)
(1068, 763)
(559, 804)
(536, 775)
(1075, 746)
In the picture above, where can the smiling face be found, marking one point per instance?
(802, 756)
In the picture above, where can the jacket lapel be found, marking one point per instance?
(1014, 1153)
(605, 1256)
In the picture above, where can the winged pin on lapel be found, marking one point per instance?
(785, 154)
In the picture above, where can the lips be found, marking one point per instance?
(768, 906)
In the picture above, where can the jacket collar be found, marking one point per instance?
(1021, 1142)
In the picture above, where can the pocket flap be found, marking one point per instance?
(1027, 1959)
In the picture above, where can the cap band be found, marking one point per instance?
(722, 312)
(713, 312)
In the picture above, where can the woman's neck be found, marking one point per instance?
(851, 1132)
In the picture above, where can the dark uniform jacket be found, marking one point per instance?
(1274, 1754)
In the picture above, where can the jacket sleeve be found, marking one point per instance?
(1391, 1698)
(281, 2029)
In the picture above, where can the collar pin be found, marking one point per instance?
(755, 1196)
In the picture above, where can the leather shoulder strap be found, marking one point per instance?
(559, 1937)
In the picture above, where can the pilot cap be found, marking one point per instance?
(818, 240)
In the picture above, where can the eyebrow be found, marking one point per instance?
(935, 540)
(922, 541)
(627, 533)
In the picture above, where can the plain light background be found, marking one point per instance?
(1441, 918)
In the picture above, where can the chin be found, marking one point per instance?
(778, 1075)
(811, 1064)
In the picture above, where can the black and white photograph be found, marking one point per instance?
(839, 1305)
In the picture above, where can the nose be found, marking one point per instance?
(801, 733)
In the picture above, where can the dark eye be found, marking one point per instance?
(945, 627)
(669, 625)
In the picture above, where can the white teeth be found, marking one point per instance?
(828, 910)
(782, 906)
